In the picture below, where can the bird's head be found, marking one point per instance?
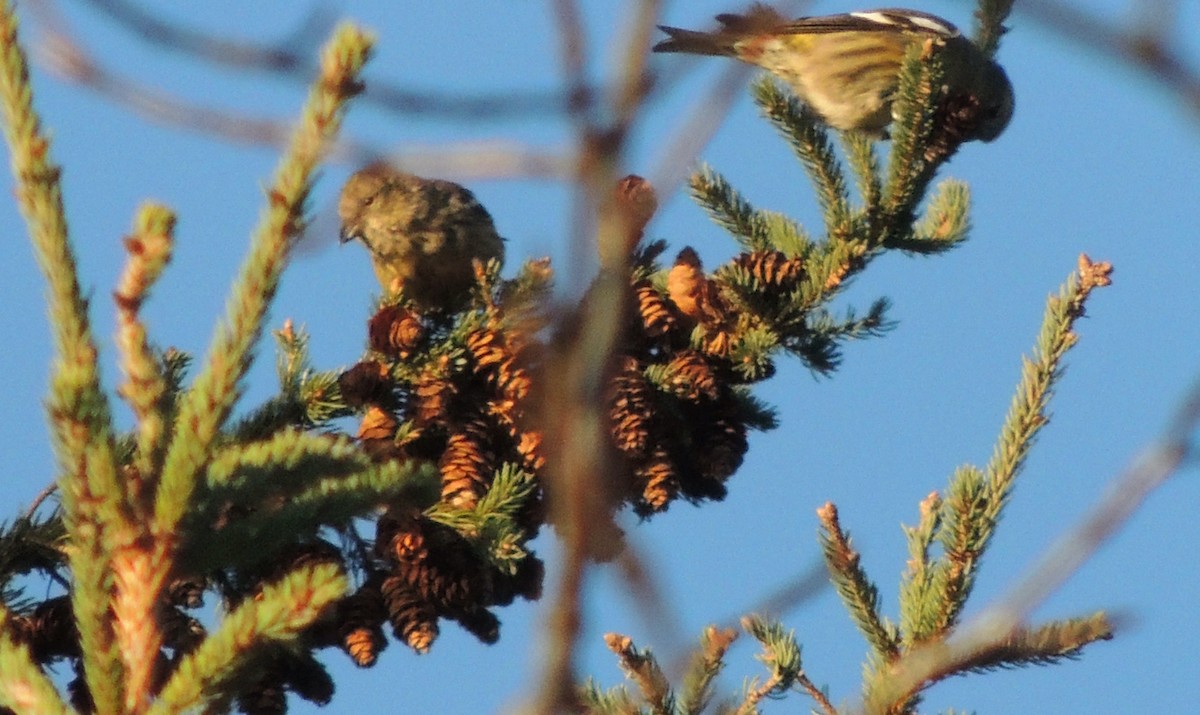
(362, 190)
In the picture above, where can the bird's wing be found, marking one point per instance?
(887, 19)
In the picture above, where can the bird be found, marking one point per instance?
(424, 235)
(846, 67)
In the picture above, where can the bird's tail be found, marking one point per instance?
(759, 19)
(696, 43)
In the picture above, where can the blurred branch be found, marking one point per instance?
(469, 160)
(576, 414)
(290, 57)
(291, 54)
(68, 60)
(1145, 43)
(71, 62)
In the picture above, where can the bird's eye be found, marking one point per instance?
(368, 201)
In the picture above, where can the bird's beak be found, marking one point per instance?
(349, 233)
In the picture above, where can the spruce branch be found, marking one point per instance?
(307, 397)
(936, 591)
(819, 343)
(207, 404)
(937, 660)
(1044, 645)
(920, 607)
(945, 223)
(989, 24)
(24, 687)
(1039, 373)
(856, 590)
(923, 582)
(616, 701)
(921, 537)
(283, 465)
(279, 614)
(810, 141)
(641, 667)
(909, 169)
(92, 495)
(492, 523)
(780, 654)
(146, 387)
(729, 209)
(860, 154)
(327, 501)
(706, 663)
(30, 544)
(962, 524)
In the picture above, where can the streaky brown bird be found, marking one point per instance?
(423, 234)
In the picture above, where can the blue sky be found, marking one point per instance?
(1097, 160)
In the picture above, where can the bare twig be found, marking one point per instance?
(67, 59)
(586, 355)
(291, 54)
(38, 500)
(809, 687)
(291, 58)
(460, 161)
(1144, 44)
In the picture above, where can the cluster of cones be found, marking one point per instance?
(677, 401)
(461, 408)
(457, 395)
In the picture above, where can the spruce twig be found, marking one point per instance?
(706, 663)
(642, 668)
(146, 385)
(858, 593)
(989, 24)
(92, 495)
(207, 404)
(810, 141)
(279, 613)
(964, 526)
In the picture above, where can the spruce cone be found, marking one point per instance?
(413, 619)
(692, 377)
(399, 535)
(365, 383)
(359, 616)
(77, 690)
(693, 292)
(181, 632)
(268, 696)
(659, 481)
(51, 631)
(432, 395)
(488, 348)
(186, 593)
(772, 269)
(655, 312)
(529, 446)
(306, 677)
(395, 331)
(480, 623)
(721, 447)
(466, 466)
(378, 426)
(631, 410)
